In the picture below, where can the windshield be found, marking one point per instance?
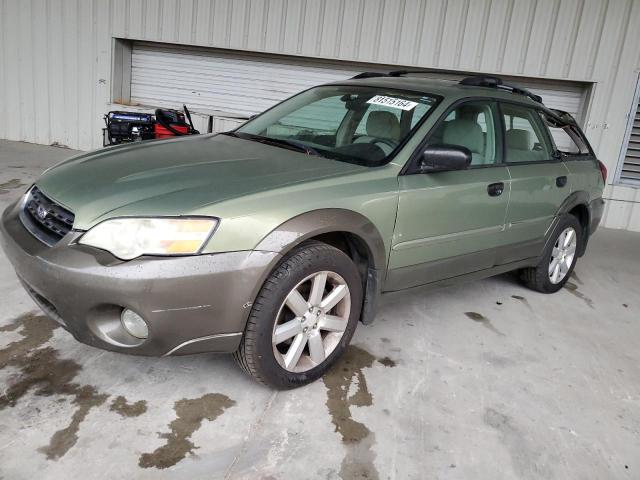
(363, 125)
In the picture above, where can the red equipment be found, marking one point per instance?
(125, 127)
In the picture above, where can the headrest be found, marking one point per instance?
(518, 139)
(464, 132)
(382, 124)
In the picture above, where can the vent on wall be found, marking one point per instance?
(630, 169)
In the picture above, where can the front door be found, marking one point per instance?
(449, 223)
(539, 182)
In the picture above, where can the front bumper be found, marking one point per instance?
(191, 304)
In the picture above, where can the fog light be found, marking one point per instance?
(134, 324)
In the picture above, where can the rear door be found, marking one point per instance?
(449, 223)
(539, 181)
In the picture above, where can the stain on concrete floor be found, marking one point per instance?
(85, 398)
(44, 373)
(121, 406)
(484, 321)
(190, 412)
(572, 288)
(11, 185)
(523, 300)
(357, 438)
(576, 278)
(387, 362)
(526, 458)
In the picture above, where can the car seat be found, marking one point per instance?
(381, 125)
(466, 133)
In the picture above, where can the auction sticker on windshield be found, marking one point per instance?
(392, 102)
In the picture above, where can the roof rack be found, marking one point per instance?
(475, 81)
(399, 73)
(393, 73)
(496, 82)
(369, 75)
(565, 117)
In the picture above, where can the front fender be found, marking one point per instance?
(310, 224)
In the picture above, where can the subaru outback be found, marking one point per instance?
(274, 240)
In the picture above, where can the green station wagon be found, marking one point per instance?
(274, 240)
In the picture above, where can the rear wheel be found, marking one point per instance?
(558, 260)
(303, 317)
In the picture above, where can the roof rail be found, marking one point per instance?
(481, 81)
(369, 75)
(399, 73)
(393, 73)
(565, 117)
(475, 81)
(496, 82)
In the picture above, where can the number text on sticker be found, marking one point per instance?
(392, 102)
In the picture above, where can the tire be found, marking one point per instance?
(271, 360)
(541, 277)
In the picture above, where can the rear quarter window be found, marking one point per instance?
(566, 139)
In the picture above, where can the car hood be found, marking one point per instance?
(177, 177)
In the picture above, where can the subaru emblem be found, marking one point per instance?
(41, 212)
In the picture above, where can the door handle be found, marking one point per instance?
(495, 189)
(561, 181)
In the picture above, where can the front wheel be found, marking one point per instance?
(303, 317)
(559, 258)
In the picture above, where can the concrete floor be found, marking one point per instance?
(486, 380)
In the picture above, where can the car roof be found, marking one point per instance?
(449, 89)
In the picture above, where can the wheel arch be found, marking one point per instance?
(349, 231)
(577, 204)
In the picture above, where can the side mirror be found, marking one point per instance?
(442, 158)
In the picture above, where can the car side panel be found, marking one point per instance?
(585, 175)
(447, 225)
(535, 201)
(247, 221)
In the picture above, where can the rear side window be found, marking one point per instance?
(565, 138)
(525, 139)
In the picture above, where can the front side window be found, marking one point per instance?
(363, 125)
(470, 125)
(524, 135)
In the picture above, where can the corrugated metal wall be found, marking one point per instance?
(55, 55)
(235, 83)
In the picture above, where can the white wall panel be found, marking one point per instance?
(55, 55)
(243, 84)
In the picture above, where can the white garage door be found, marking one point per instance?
(242, 84)
(235, 83)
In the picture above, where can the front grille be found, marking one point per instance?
(45, 219)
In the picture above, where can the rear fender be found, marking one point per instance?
(575, 199)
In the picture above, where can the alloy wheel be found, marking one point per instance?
(562, 255)
(311, 321)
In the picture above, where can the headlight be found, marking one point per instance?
(129, 238)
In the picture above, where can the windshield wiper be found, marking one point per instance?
(278, 142)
